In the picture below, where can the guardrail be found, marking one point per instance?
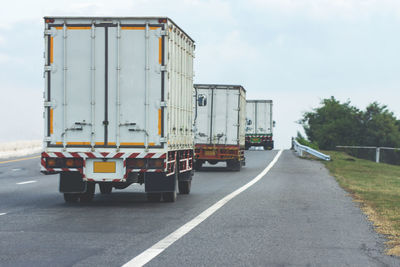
(377, 150)
(300, 149)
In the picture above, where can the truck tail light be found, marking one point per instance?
(156, 163)
(145, 163)
(136, 163)
(64, 162)
(51, 162)
(69, 162)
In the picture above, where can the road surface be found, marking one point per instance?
(295, 215)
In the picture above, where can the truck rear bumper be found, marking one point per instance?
(217, 153)
(115, 167)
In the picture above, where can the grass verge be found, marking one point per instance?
(376, 187)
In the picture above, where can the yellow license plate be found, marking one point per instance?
(209, 153)
(104, 167)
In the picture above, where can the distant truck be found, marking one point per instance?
(220, 118)
(259, 124)
(118, 105)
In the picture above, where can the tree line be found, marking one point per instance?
(335, 123)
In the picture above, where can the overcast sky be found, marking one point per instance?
(295, 52)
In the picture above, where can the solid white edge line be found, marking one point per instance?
(27, 182)
(3, 213)
(160, 246)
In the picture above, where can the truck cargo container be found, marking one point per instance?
(220, 118)
(259, 124)
(118, 105)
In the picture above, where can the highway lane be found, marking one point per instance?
(40, 229)
(295, 215)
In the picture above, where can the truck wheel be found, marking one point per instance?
(105, 188)
(197, 165)
(267, 147)
(71, 198)
(169, 196)
(89, 194)
(184, 187)
(234, 165)
(153, 197)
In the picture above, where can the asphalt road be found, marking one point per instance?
(296, 215)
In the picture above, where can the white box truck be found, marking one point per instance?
(118, 105)
(220, 121)
(259, 124)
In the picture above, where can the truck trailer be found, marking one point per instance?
(259, 124)
(220, 118)
(118, 105)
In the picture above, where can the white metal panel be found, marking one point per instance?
(72, 80)
(180, 89)
(134, 68)
(133, 65)
(222, 119)
(259, 117)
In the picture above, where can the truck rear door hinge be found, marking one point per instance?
(51, 68)
(51, 32)
(163, 68)
(47, 139)
(163, 140)
(164, 33)
(163, 104)
(49, 104)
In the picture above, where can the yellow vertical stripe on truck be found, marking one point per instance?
(159, 121)
(51, 50)
(51, 121)
(160, 50)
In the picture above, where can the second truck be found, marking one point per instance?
(220, 118)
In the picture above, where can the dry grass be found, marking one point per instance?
(377, 188)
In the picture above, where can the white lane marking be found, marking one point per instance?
(27, 182)
(163, 244)
(3, 213)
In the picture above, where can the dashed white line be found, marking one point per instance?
(163, 244)
(3, 213)
(27, 182)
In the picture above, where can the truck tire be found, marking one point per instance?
(234, 165)
(71, 198)
(197, 165)
(153, 197)
(169, 196)
(105, 188)
(184, 187)
(89, 194)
